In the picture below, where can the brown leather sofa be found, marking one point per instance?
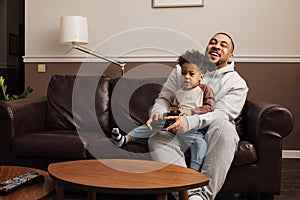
(74, 120)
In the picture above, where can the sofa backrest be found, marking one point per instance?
(99, 103)
(78, 102)
(131, 100)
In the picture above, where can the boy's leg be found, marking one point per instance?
(198, 152)
(118, 138)
(169, 148)
(139, 132)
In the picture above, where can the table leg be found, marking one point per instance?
(183, 195)
(91, 195)
(59, 191)
(162, 196)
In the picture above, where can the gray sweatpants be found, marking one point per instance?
(195, 140)
(222, 140)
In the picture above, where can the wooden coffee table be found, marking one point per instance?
(124, 176)
(39, 190)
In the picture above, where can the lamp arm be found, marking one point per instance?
(88, 51)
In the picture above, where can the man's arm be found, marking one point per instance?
(232, 103)
(165, 97)
(167, 93)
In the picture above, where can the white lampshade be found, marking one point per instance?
(73, 30)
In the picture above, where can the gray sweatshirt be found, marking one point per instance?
(230, 95)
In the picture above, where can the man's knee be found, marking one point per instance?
(222, 131)
(157, 141)
(223, 126)
(152, 142)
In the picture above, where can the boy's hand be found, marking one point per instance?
(179, 126)
(154, 117)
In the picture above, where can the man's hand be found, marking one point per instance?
(154, 117)
(179, 126)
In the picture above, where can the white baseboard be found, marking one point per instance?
(290, 153)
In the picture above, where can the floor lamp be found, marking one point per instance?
(74, 31)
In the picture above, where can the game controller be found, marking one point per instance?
(161, 124)
(158, 124)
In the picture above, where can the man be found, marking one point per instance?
(230, 95)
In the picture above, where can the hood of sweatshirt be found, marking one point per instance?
(221, 71)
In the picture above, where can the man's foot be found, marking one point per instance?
(197, 194)
(118, 138)
(195, 197)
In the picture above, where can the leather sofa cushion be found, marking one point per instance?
(78, 102)
(245, 154)
(104, 148)
(49, 145)
(131, 100)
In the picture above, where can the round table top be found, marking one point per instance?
(126, 176)
(38, 190)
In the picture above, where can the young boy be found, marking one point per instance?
(192, 98)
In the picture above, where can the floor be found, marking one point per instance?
(290, 183)
(290, 180)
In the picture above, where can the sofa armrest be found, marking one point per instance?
(267, 119)
(265, 125)
(18, 117)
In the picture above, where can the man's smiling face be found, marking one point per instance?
(220, 50)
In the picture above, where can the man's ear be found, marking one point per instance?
(230, 58)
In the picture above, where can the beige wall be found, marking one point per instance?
(260, 28)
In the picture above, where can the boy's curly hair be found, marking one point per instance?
(195, 57)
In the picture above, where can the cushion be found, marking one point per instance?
(49, 145)
(78, 102)
(131, 100)
(245, 154)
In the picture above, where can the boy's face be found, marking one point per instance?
(190, 75)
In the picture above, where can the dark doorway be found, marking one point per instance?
(12, 45)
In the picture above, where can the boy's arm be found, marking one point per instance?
(208, 101)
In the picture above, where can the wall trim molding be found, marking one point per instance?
(154, 58)
(290, 153)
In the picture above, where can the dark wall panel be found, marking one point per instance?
(273, 82)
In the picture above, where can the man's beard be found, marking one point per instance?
(212, 66)
(215, 65)
(220, 63)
